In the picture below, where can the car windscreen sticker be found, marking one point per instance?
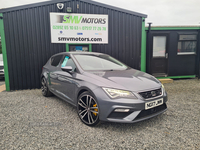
(65, 61)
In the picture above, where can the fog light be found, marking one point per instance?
(122, 110)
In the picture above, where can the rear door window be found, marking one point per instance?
(56, 60)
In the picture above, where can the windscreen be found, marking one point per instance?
(100, 62)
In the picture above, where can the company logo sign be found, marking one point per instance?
(60, 6)
(90, 28)
(81, 19)
(61, 33)
(98, 33)
(79, 33)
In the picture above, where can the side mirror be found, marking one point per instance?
(67, 68)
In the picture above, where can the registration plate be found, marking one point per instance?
(153, 104)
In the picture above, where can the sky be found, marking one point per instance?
(160, 12)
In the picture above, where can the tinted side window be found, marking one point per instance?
(55, 60)
(187, 44)
(69, 62)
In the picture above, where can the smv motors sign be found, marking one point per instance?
(78, 28)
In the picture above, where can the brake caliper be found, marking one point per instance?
(95, 105)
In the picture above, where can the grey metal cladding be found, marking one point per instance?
(63, 1)
(28, 40)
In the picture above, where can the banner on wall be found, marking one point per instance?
(79, 28)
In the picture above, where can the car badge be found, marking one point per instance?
(153, 93)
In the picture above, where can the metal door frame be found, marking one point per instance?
(166, 52)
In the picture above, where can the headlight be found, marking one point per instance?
(163, 86)
(113, 93)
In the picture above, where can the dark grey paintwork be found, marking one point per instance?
(68, 85)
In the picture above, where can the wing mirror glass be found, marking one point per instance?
(67, 68)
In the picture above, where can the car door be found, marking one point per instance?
(66, 80)
(54, 68)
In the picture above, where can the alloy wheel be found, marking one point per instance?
(88, 110)
(44, 86)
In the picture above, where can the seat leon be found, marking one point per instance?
(103, 88)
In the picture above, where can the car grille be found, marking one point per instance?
(149, 112)
(1, 67)
(151, 94)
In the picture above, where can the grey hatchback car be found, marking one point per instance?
(102, 88)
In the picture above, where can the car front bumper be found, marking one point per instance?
(136, 108)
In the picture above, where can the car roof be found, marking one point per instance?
(78, 53)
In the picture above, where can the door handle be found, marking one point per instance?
(166, 55)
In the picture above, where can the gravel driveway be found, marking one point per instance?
(30, 121)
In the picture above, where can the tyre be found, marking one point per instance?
(45, 89)
(88, 110)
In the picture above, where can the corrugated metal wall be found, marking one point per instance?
(28, 40)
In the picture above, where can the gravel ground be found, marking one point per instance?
(30, 121)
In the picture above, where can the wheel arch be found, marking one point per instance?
(84, 89)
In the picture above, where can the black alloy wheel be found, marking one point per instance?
(88, 110)
(45, 89)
